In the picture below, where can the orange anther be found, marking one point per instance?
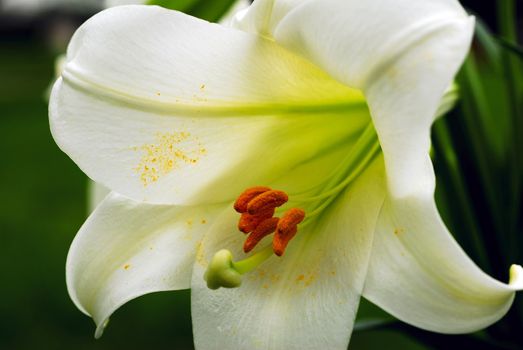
(243, 200)
(265, 228)
(249, 222)
(291, 219)
(286, 229)
(280, 241)
(267, 200)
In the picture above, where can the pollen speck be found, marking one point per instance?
(200, 255)
(312, 278)
(170, 151)
(204, 221)
(398, 231)
(202, 87)
(126, 266)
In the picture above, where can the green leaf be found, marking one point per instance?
(180, 5)
(371, 317)
(476, 341)
(513, 48)
(211, 10)
(371, 324)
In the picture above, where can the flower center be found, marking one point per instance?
(258, 205)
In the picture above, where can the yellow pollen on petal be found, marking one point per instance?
(169, 152)
(398, 231)
(200, 255)
(306, 279)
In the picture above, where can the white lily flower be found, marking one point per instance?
(179, 116)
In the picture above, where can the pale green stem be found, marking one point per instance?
(362, 154)
(353, 175)
(252, 262)
(352, 164)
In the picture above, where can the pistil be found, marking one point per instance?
(224, 272)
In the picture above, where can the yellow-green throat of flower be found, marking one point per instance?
(257, 207)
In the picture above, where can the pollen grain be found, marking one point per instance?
(169, 152)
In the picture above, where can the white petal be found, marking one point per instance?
(126, 249)
(403, 54)
(166, 108)
(305, 300)
(419, 274)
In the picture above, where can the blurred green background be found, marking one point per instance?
(43, 196)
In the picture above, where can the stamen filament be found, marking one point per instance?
(353, 175)
(364, 151)
(367, 141)
(252, 262)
